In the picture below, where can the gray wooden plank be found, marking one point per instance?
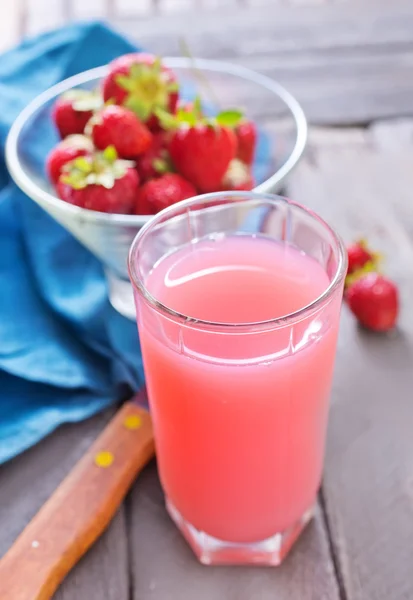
(25, 484)
(346, 62)
(307, 2)
(10, 23)
(131, 8)
(167, 6)
(394, 135)
(103, 572)
(42, 15)
(91, 9)
(363, 189)
(163, 566)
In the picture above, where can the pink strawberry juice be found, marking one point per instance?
(239, 413)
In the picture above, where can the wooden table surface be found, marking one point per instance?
(350, 63)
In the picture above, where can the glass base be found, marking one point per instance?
(121, 295)
(211, 551)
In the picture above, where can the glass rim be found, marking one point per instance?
(205, 199)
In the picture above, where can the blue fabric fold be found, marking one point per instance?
(64, 352)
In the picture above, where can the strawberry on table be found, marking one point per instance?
(119, 127)
(238, 176)
(73, 109)
(101, 182)
(374, 300)
(142, 83)
(202, 148)
(66, 151)
(358, 255)
(157, 194)
(361, 260)
(246, 133)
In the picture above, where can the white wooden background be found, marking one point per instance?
(19, 18)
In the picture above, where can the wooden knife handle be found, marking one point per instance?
(79, 510)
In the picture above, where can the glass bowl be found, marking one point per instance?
(279, 117)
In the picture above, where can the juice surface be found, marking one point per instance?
(239, 418)
(237, 279)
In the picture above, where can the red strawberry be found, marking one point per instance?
(65, 151)
(102, 183)
(140, 82)
(374, 300)
(361, 260)
(358, 256)
(156, 160)
(246, 133)
(73, 110)
(69, 194)
(157, 194)
(238, 176)
(202, 153)
(119, 127)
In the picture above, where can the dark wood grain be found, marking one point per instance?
(361, 183)
(347, 62)
(27, 482)
(164, 567)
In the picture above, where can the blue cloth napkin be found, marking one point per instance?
(64, 351)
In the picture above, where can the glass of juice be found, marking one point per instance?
(238, 298)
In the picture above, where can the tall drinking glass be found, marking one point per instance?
(238, 297)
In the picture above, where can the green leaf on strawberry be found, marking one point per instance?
(110, 154)
(167, 120)
(84, 100)
(125, 82)
(103, 169)
(161, 165)
(197, 107)
(139, 106)
(83, 165)
(229, 118)
(148, 86)
(76, 180)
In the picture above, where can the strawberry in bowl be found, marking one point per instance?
(238, 176)
(246, 132)
(142, 118)
(73, 109)
(202, 152)
(161, 192)
(100, 182)
(143, 84)
(104, 205)
(67, 150)
(156, 160)
(119, 127)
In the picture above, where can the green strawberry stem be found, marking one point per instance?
(203, 80)
(227, 118)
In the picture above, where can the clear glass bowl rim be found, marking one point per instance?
(252, 327)
(45, 198)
